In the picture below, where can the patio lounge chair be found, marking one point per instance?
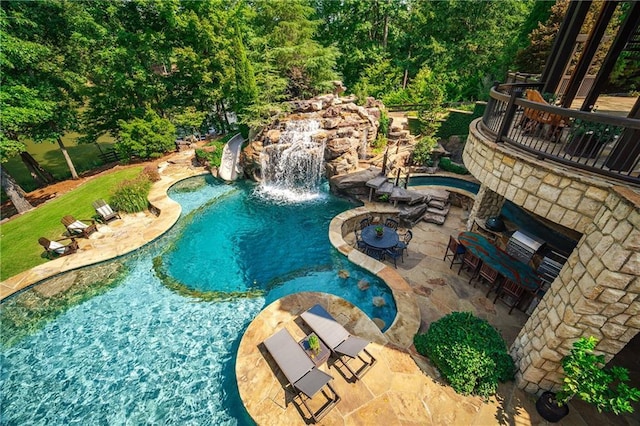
(79, 227)
(341, 343)
(303, 376)
(105, 211)
(56, 248)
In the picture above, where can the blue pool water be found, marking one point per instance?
(142, 353)
(510, 212)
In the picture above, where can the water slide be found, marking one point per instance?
(230, 155)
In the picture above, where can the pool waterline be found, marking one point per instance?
(133, 314)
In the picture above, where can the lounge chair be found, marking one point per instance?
(105, 211)
(79, 227)
(341, 343)
(303, 376)
(55, 248)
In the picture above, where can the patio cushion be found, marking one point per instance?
(57, 247)
(104, 211)
(78, 226)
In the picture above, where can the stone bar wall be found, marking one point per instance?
(597, 290)
(596, 294)
(487, 204)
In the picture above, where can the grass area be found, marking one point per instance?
(20, 249)
(85, 157)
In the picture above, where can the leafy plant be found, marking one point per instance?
(384, 198)
(384, 120)
(600, 131)
(131, 195)
(586, 378)
(211, 153)
(422, 151)
(379, 230)
(314, 343)
(147, 137)
(469, 353)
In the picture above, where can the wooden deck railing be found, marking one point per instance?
(600, 143)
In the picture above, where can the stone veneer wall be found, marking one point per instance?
(487, 204)
(597, 290)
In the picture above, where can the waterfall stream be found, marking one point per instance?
(293, 168)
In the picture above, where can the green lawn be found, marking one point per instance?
(19, 248)
(84, 157)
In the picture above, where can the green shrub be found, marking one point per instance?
(469, 353)
(131, 196)
(147, 137)
(449, 166)
(211, 153)
(383, 128)
(422, 151)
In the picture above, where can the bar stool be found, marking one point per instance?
(471, 262)
(488, 275)
(456, 249)
(511, 290)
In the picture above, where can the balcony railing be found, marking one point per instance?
(602, 144)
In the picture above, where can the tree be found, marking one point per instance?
(147, 137)
(9, 148)
(42, 60)
(288, 31)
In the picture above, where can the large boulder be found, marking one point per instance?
(343, 129)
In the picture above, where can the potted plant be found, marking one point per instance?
(379, 230)
(314, 344)
(587, 137)
(588, 379)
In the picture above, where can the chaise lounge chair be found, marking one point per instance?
(303, 376)
(105, 211)
(79, 227)
(342, 344)
(55, 248)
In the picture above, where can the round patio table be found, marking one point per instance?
(388, 239)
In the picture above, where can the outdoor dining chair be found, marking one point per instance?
(394, 253)
(404, 244)
(364, 223)
(360, 245)
(391, 223)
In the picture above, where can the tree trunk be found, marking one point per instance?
(15, 193)
(39, 174)
(74, 174)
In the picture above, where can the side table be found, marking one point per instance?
(321, 356)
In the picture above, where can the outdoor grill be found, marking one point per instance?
(523, 246)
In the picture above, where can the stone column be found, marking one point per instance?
(487, 204)
(595, 294)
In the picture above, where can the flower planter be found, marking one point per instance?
(548, 408)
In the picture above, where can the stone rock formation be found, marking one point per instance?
(346, 129)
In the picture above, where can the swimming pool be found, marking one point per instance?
(140, 351)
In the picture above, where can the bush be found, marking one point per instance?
(211, 153)
(383, 128)
(422, 151)
(147, 137)
(469, 353)
(449, 166)
(131, 196)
